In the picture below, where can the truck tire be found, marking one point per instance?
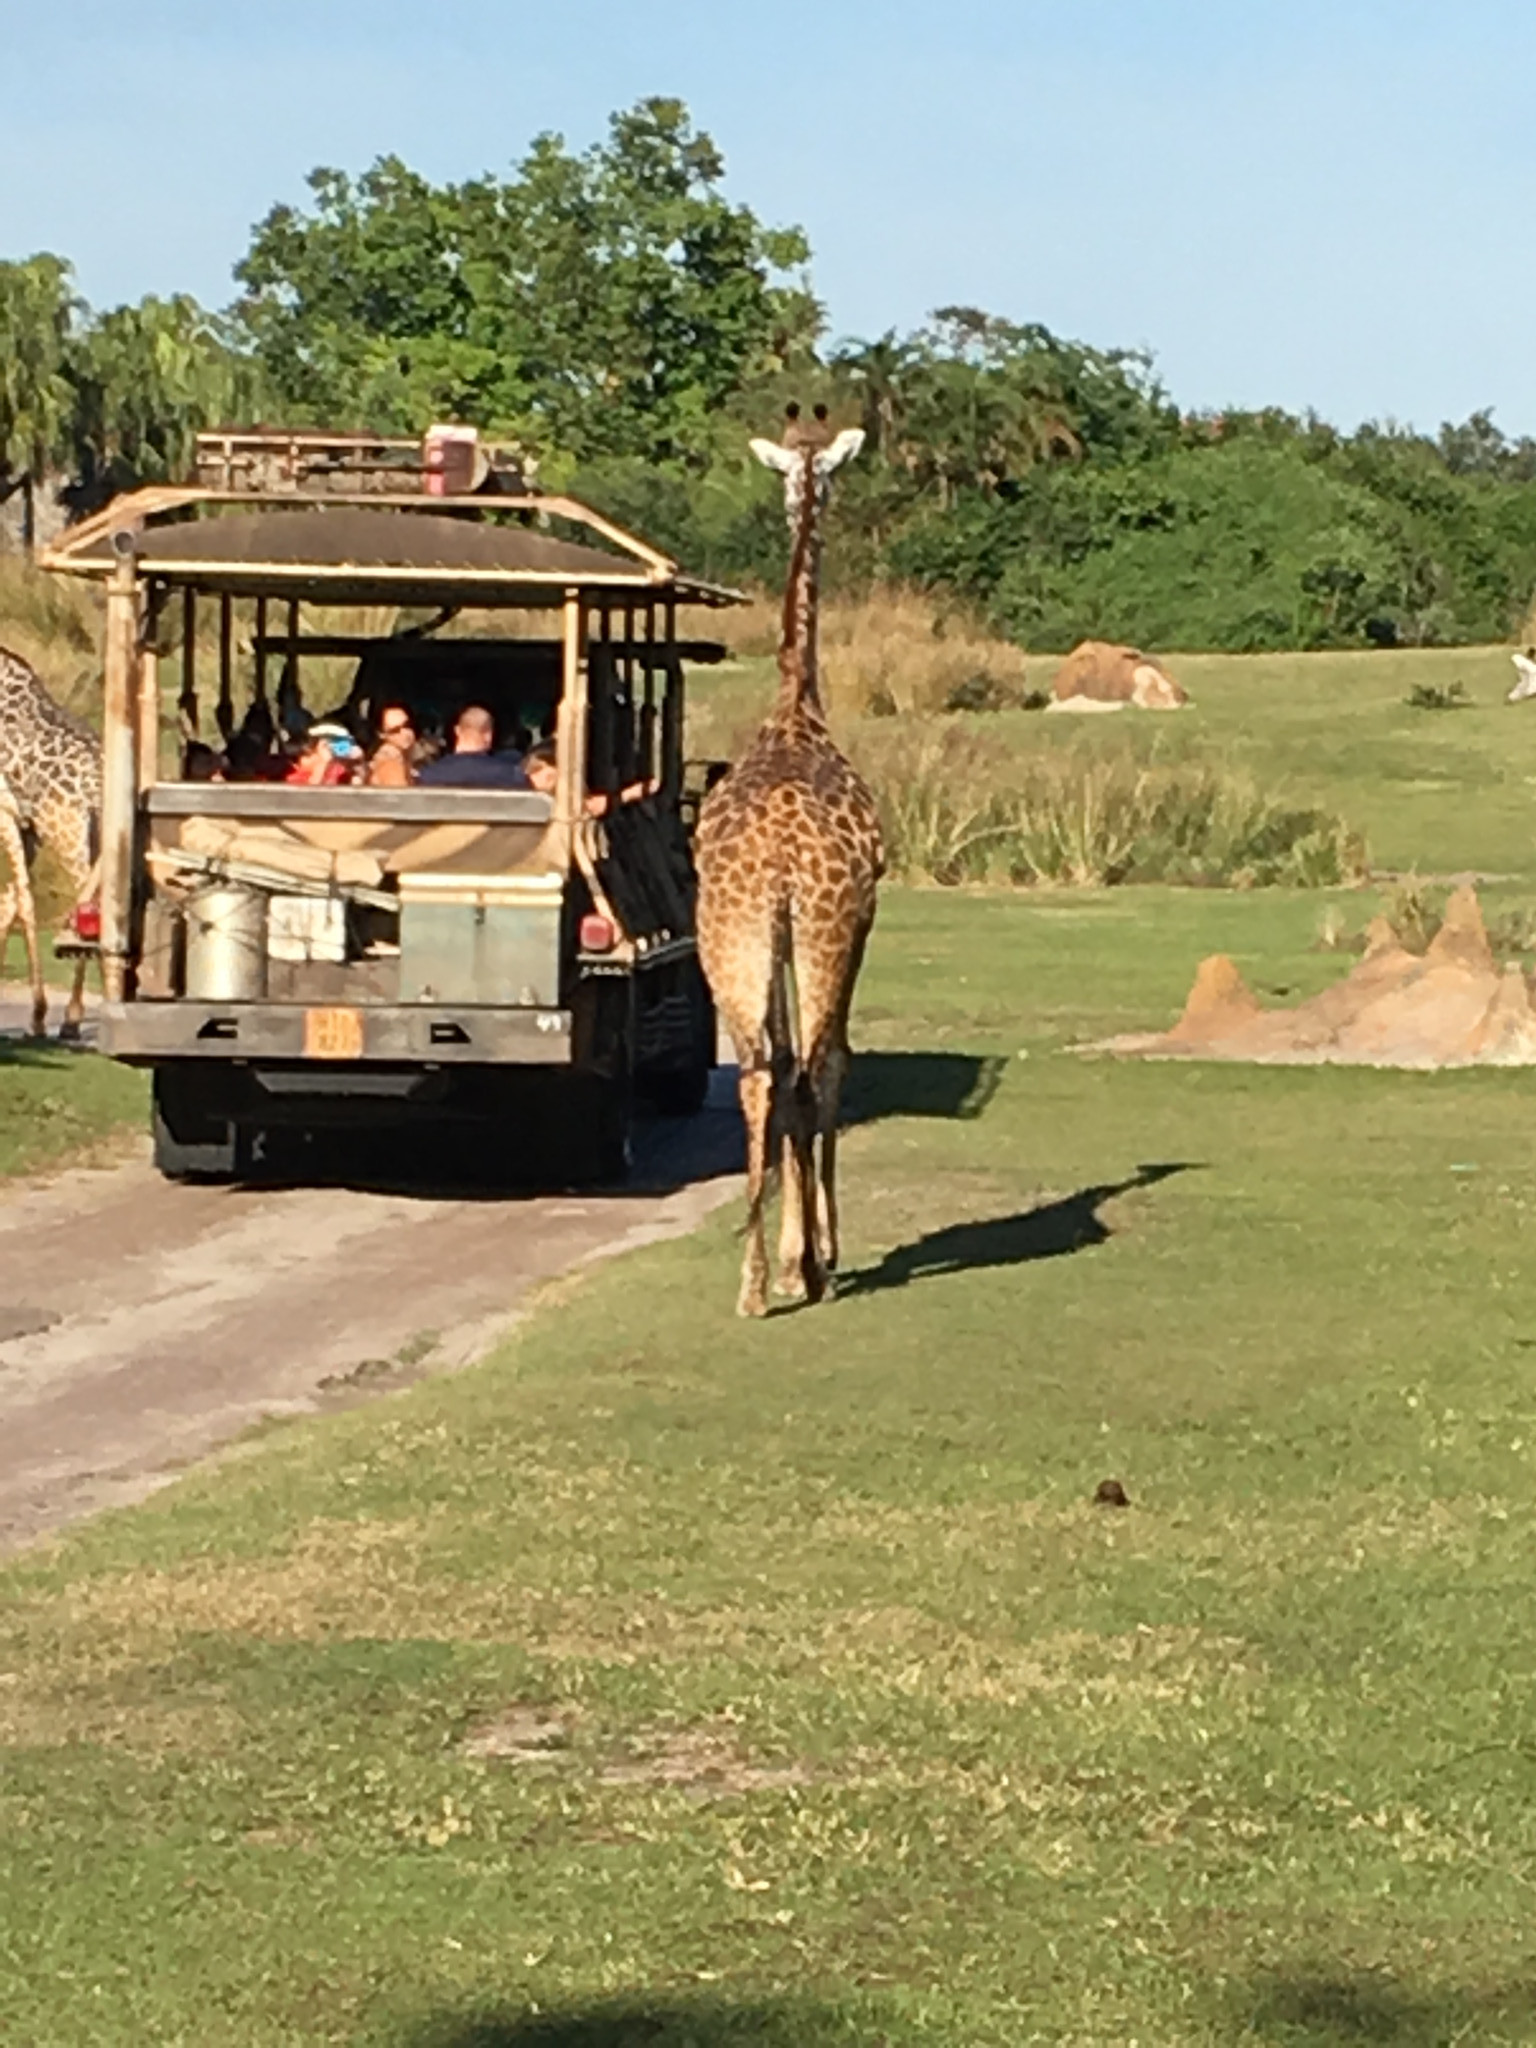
(680, 1088)
(597, 1152)
(192, 1141)
(681, 1092)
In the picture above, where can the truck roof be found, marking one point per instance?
(403, 549)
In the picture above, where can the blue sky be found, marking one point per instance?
(1288, 202)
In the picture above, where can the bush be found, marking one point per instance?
(953, 812)
(1438, 697)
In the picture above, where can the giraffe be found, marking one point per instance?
(50, 790)
(789, 854)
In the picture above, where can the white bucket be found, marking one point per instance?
(227, 944)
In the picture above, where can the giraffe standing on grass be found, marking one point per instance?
(50, 791)
(789, 854)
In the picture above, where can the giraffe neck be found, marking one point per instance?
(799, 695)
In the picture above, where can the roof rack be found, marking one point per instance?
(447, 461)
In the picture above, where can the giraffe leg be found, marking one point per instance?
(8, 914)
(74, 1010)
(87, 887)
(18, 902)
(790, 1280)
(827, 958)
(756, 1113)
(801, 1191)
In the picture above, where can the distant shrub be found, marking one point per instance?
(1415, 910)
(953, 813)
(1438, 697)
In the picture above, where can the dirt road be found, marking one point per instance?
(143, 1324)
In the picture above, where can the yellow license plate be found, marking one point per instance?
(333, 1034)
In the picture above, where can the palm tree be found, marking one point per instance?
(878, 372)
(38, 308)
(147, 378)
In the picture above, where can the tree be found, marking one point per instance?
(602, 304)
(38, 309)
(146, 378)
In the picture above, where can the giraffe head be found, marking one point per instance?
(809, 452)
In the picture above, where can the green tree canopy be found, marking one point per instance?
(616, 313)
(602, 304)
(146, 378)
(38, 308)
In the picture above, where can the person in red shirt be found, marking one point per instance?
(331, 756)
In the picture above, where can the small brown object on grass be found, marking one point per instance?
(1111, 1494)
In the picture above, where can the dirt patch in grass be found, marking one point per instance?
(704, 1763)
(522, 1735)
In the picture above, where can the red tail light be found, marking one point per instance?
(597, 933)
(85, 921)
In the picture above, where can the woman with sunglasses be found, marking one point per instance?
(392, 765)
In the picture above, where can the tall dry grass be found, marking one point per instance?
(891, 653)
(956, 810)
(56, 623)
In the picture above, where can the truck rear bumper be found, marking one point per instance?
(145, 1033)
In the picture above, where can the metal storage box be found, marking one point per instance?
(481, 939)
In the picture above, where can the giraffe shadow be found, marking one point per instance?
(1051, 1230)
(956, 1085)
(673, 1153)
(666, 2021)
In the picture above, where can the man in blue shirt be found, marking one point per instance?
(473, 763)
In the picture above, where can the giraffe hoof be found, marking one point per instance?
(69, 1031)
(752, 1305)
(791, 1285)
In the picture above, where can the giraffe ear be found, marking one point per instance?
(772, 456)
(847, 444)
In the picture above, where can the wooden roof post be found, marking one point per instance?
(149, 685)
(119, 766)
(571, 721)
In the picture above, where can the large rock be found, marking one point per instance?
(1099, 676)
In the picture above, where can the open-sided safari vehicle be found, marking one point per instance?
(291, 957)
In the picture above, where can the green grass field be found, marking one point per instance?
(1436, 791)
(830, 1707)
(671, 1679)
(57, 1104)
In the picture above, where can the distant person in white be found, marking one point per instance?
(1526, 687)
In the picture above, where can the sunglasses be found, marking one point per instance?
(397, 725)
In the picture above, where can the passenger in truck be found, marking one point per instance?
(473, 761)
(542, 766)
(331, 757)
(392, 764)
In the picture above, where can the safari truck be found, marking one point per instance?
(287, 958)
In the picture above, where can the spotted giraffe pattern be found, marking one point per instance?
(789, 855)
(50, 792)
